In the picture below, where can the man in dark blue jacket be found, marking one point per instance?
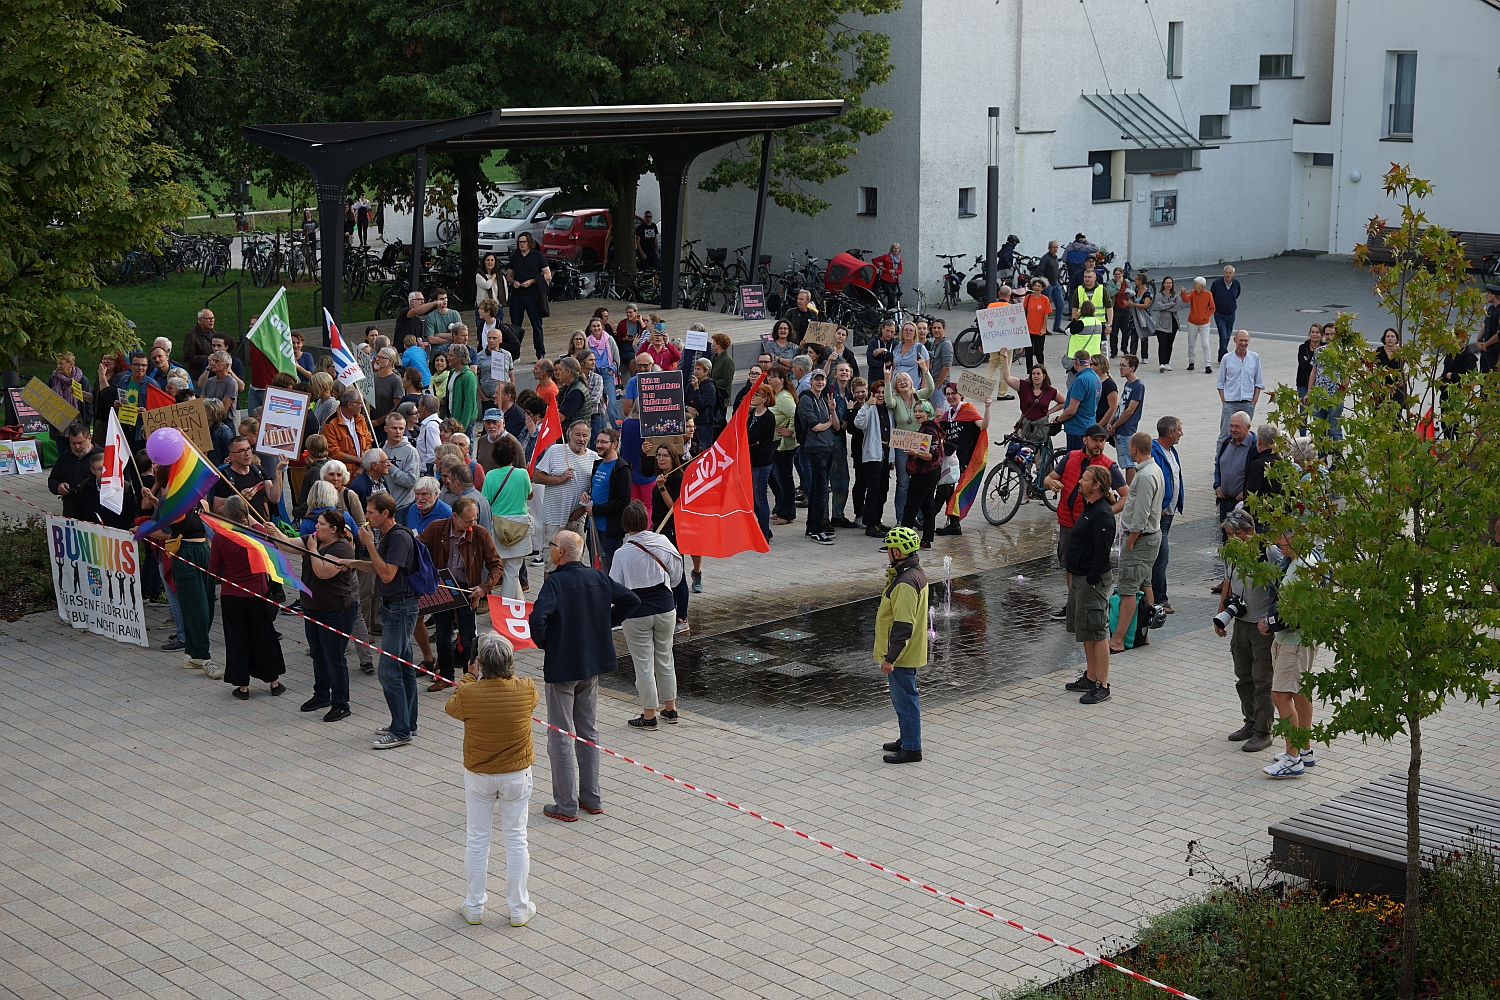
(571, 622)
(1226, 293)
(1164, 451)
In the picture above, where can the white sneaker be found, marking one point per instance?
(521, 921)
(213, 670)
(473, 914)
(188, 663)
(1284, 767)
(1308, 760)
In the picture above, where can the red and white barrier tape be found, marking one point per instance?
(909, 880)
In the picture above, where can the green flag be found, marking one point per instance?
(272, 334)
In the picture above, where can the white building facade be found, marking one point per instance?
(1172, 132)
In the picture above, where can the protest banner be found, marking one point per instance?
(973, 385)
(7, 459)
(49, 404)
(1003, 326)
(28, 458)
(281, 423)
(509, 617)
(696, 340)
(660, 398)
(910, 442)
(448, 597)
(187, 417)
(752, 302)
(27, 417)
(820, 333)
(98, 579)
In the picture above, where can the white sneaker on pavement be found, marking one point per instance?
(473, 914)
(1284, 766)
(521, 921)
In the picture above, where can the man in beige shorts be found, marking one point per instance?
(1289, 660)
(1141, 520)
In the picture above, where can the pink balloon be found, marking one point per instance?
(165, 445)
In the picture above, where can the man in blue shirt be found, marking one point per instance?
(608, 495)
(1226, 293)
(1240, 381)
(1083, 401)
(1127, 418)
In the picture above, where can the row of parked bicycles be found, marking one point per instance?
(173, 253)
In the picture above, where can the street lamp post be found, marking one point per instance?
(992, 209)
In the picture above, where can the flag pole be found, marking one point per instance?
(202, 458)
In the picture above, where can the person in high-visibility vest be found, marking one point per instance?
(1092, 308)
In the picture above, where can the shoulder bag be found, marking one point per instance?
(509, 531)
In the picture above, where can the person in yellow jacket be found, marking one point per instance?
(1094, 308)
(901, 639)
(495, 707)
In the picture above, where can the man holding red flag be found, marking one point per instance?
(715, 512)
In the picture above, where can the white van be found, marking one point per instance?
(517, 213)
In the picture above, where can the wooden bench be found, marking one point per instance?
(1357, 841)
(1482, 250)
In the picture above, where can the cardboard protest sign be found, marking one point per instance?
(910, 442)
(820, 333)
(31, 421)
(49, 404)
(510, 618)
(661, 403)
(1003, 326)
(973, 385)
(187, 417)
(752, 302)
(98, 581)
(281, 423)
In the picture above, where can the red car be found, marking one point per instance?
(581, 235)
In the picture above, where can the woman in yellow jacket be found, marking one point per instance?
(495, 707)
(901, 640)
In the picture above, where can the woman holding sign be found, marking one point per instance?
(924, 467)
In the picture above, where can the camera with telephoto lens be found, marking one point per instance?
(1234, 607)
(1157, 616)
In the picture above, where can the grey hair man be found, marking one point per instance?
(1250, 646)
(406, 465)
(427, 435)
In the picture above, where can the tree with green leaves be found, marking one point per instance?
(1400, 513)
(80, 180)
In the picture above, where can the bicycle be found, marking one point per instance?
(1020, 477)
(968, 348)
(953, 281)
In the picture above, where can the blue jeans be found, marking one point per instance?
(903, 684)
(817, 465)
(398, 620)
(1122, 450)
(1159, 568)
(1332, 415)
(330, 669)
(760, 478)
(444, 623)
(903, 483)
(175, 608)
(1225, 323)
(607, 548)
(1055, 293)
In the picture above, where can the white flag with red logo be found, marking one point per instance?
(116, 454)
(511, 618)
(715, 510)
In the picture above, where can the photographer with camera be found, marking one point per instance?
(1246, 608)
(1290, 658)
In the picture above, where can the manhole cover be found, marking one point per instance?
(745, 655)
(789, 634)
(793, 669)
(1312, 310)
(966, 591)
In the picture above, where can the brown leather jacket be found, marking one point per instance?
(481, 561)
(341, 447)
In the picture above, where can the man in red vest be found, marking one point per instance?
(1064, 479)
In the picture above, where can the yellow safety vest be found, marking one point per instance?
(1090, 340)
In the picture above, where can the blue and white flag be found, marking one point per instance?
(347, 368)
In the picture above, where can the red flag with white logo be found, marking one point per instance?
(116, 454)
(511, 618)
(548, 434)
(715, 511)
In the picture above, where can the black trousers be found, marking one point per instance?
(877, 487)
(526, 305)
(251, 648)
(921, 495)
(1036, 354)
(450, 656)
(1164, 342)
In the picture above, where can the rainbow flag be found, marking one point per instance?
(972, 477)
(190, 480)
(264, 557)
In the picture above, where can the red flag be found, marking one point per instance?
(511, 619)
(546, 435)
(715, 511)
(157, 397)
(262, 368)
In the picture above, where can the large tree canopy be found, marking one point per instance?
(80, 179)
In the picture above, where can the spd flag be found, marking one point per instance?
(511, 618)
(116, 454)
(548, 434)
(715, 510)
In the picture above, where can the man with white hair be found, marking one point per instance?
(1240, 381)
(1200, 303)
(164, 343)
(198, 344)
(413, 319)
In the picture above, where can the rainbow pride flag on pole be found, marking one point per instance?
(264, 557)
(190, 480)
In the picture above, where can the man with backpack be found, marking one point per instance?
(1064, 480)
(403, 572)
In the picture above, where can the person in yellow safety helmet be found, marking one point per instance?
(901, 640)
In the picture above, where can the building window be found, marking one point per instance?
(1322, 159)
(966, 204)
(1212, 126)
(1275, 67)
(1100, 163)
(867, 201)
(1243, 96)
(1157, 161)
(1174, 50)
(1164, 208)
(1400, 93)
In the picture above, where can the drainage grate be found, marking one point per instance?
(788, 634)
(743, 654)
(794, 669)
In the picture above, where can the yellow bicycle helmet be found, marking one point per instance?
(904, 540)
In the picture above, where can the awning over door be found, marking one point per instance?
(1142, 122)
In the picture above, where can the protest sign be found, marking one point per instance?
(820, 333)
(98, 580)
(696, 340)
(443, 599)
(910, 442)
(973, 385)
(509, 617)
(27, 416)
(49, 404)
(1003, 326)
(500, 365)
(128, 414)
(281, 423)
(752, 302)
(7, 459)
(660, 398)
(187, 417)
(28, 458)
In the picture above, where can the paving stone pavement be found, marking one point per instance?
(158, 838)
